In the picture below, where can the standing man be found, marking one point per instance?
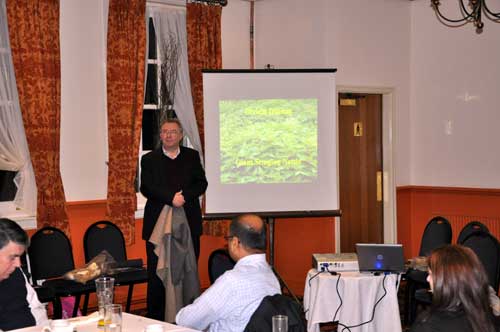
(171, 175)
(233, 298)
(19, 304)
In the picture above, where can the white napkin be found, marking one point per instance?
(82, 320)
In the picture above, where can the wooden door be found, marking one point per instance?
(360, 170)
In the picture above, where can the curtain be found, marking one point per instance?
(204, 50)
(34, 38)
(126, 47)
(14, 153)
(170, 21)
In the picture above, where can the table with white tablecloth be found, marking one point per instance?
(359, 292)
(130, 323)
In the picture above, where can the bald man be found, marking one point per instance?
(230, 302)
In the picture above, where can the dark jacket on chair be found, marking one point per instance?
(262, 318)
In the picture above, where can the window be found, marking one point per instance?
(13, 147)
(150, 138)
(8, 189)
(151, 102)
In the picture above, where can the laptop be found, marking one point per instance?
(380, 257)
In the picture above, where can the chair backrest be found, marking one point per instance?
(219, 262)
(104, 235)
(487, 249)
(278, 304)
(50, 254)
(471, 227)
(437, 233)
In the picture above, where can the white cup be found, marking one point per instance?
(154, 328)
(58, 325)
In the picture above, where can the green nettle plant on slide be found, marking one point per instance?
(268, 141)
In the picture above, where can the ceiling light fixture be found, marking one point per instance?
(473, 12)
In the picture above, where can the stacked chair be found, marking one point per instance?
(437, 233)
(104, 235)
(51, 256)
(476, 236)
(471, 227)
(487, 249)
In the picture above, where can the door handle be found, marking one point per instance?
(379, 186)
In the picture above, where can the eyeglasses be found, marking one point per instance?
(229, 237)
(169, 132)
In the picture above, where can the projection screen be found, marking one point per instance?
(270, 140)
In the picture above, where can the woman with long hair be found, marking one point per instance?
(460, 295)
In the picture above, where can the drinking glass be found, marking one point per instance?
(104, 290)
(113, 318)
(280, 323)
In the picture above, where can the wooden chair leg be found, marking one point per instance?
(77, 305)
(85, 304)
(57, 307)
(129, 297)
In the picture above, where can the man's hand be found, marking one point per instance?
(178, 200)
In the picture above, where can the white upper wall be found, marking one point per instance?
(438, 74)
(455, 75)
(366, 40)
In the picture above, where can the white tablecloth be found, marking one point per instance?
(359, 293)
(130, 323)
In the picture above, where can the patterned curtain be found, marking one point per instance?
(34, 37)
(204, 51)
(125, 92)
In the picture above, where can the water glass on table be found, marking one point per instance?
(104, 290)
(113, 318)
(280, 323)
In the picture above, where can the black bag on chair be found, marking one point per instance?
(262, 318)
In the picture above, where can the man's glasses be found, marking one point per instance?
(169, 132)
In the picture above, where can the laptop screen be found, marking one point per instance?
(380, 257)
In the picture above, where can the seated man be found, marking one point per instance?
(230, 302)
(19, 304)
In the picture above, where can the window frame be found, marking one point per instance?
(141, 200)
(8, 208)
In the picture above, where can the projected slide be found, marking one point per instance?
(268, 141)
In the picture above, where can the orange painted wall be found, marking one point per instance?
(416, 205)
(297, 239)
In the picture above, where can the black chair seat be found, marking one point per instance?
(63, 287)
(219, 262)
(423, 296)
(44, 294)
(133, 276)
(418, 276)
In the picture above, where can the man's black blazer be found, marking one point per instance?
(162, 177)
